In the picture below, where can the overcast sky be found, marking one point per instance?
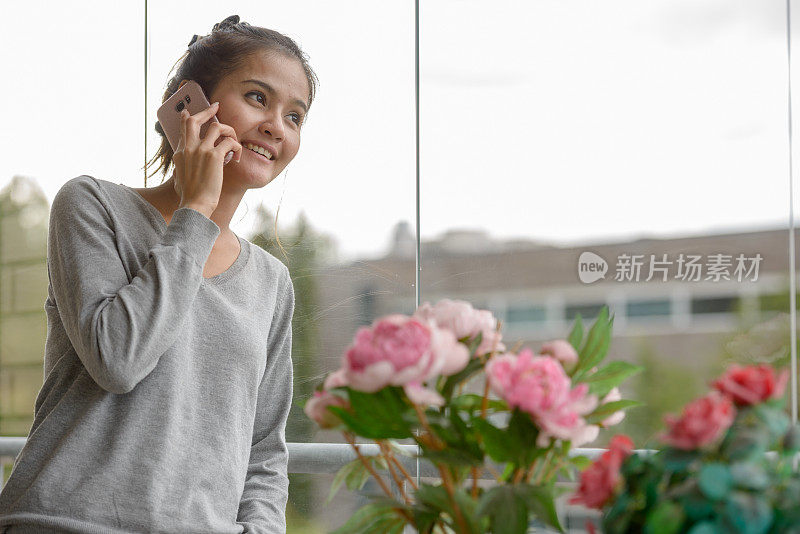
(559, 120)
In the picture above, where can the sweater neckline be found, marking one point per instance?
(236, 266)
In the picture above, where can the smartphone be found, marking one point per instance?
(189, 96)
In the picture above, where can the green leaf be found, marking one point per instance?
(475, 344)
(521, 435)
(697, 506)
(344, 473)
(495, 441)
(379, 414)
(581, 462)
(508, 470)
(505, 509)
(357, 477)
(748, 513)
(376, 517)
(397, 449)
(618, 518)
(745, 441)
(706, 527)
(436, 498)
(467, 440)
(791, 440)
(596, 346)
(677, 460)
(471, 402)
(610, 376)
(715, 481)
(749, 475)
(576, 335)
(609, 408)
(541, 502)
(462, 448)
(424, 517)
(453, 457)
(665, 518)
(776, 421)
(473, 366)
(359, 426)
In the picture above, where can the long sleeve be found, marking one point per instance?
(120, 327)
(262, 507)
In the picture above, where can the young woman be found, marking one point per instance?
(168, 372)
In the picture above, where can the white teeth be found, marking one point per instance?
(256, 148)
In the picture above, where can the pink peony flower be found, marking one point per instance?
(562, 351)
(317, 408)
(701, 423)
(420, 395)
(463, 320)
(599, 481)
(397, 350)
(539, 386)
(752, 384)
(616, 417)
(335, 379)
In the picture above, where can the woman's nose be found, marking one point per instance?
(272, 125)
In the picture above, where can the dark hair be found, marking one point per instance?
(212, 57)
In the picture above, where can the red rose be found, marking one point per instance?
(752, 384)
(599, 480)
(701, 423)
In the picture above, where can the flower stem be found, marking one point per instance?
(519, 473)
(387, 454)
(351, 440)
(405, 473)
(448, 485)
(498, 476)
(474, 491)
(552, 469)
(540, 467)
(433, 439)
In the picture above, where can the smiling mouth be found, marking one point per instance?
(262, 156)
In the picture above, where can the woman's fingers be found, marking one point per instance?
(215, 131)
(190, 124)
(182, 141)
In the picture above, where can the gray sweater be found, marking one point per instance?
(165, 394)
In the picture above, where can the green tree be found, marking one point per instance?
(763, 338)
(663, 387)
(304, 252)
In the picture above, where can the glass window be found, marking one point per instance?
(525, 314)
(647, 308)
(713, 305)
(587, 311)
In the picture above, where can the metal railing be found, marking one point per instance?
(321, 458)
(328, 458)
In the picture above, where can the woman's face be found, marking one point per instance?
(266, 115)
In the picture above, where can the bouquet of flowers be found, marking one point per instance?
(404, 377)
(726, 466)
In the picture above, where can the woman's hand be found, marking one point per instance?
(199, 162)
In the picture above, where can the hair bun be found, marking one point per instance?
(226, 24)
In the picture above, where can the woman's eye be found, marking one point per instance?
(297, 118)
(255, 93)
